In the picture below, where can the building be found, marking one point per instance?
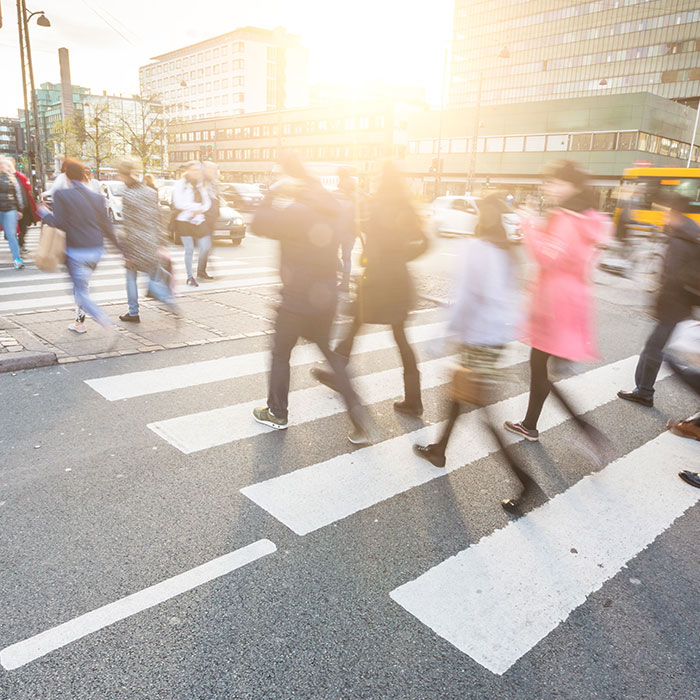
(11, 138)
(246, 70)
(606, 134)
(247, 147)
(578, 48)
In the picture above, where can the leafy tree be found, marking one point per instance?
(99, 145)
(144, 134)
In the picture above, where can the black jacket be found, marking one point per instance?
(681, 273)
(8, 194)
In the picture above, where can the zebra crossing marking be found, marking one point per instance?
(497, 599)
(21, 653)
(134, 384)
(315, 496)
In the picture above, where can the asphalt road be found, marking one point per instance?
(95, 506)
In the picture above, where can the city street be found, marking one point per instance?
(156, 542)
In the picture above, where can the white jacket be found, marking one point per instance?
(183, 201)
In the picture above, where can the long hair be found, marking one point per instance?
(489, 226)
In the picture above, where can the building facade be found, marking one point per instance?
(574, 48)
(246, 70)
(11, 138)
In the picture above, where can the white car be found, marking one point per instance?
(113, 190)
(457, 216)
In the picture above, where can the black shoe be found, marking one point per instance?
(692, 478)
(634, 397)
(408, 409)
(427, 453)
(192, 282)
(128, 318)
(204, 276)
(324, 376)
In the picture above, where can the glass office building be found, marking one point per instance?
(574, 48)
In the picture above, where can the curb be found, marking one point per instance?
(11, 362)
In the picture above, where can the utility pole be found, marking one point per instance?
(475, 136)
(438, 173)
(27, 126)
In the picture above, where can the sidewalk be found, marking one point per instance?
(37, 338)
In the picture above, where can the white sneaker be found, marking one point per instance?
(77, 327)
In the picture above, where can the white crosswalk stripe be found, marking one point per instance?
(496, 599)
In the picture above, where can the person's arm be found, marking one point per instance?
(183, 200)
(470, 279)
(267, 221)
(58, 217)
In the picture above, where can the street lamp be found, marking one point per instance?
(23, 18)
(503, 53)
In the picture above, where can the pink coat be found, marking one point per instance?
(562, 315)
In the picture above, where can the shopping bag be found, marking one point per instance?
(684, 344)
(52, 249)
(466, 386)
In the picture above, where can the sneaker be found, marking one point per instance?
(128, 318)
(77, 327)
(635, 398)
(429, 453)
(19, 265)
(519, 429)
(204, 276)
(192, 282)
(267, 417)
(686, 428)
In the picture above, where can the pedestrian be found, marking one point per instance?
(561, 321)
(675, 299)
(191, 203)
(29, 213)
(150, 181)
(210, 172)
(82, 215)
(143, 237)
(302, 216)
(393, 237)
(484, 319)
(11, 205)
(352, 218)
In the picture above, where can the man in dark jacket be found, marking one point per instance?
(302, 216)
(675, 299)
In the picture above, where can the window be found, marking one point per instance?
(459, 146)
(216, 53)
(238, 47)
(534, 143)
(364, 122)
(515, 144)
(557, 142)
(246, 132)
(664, 147)
(627, 141)
(494, 144)
(604, 142)
(238, 64)
(216, 69)
(265, 130)
(581, 142)
(224, 83)
(207, 71)
(256, 131)
(425, 147)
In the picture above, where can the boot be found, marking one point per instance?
(412, 404)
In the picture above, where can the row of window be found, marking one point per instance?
(308, 153)
(582, 141)
(200, 73)
(201, 57)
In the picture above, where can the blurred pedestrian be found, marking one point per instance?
(484, 318)
(191, 203)
(11, 205)
(302, 216)
(150, 181)
(394, 236)
(29, 213)
(676, 297)
(352, 218)
(82, 215)
(561, 320)
(143, 237)
(210, 171)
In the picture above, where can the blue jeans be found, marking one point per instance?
(8, 219)
(81, 263)
(651, 358)
(159, 288)
(203, 248)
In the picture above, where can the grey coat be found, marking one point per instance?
(142, 227)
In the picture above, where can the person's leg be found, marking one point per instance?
(22, 231)
(79, 314)
(650, 360)
(188, 245)
(203, 248)
(346, 258)
(344, 347)
(160, 289)
(9, 222)
(285, 338)
(81, 263)
(132, 292)
(411, 376)
(539, 388)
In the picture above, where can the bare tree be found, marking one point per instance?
(99, 137)
(146, 132)
(68, 136)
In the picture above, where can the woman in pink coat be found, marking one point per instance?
(561, 321)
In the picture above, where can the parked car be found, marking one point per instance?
(113, 190)
(457, 216)
(243, 196)
(229, 225)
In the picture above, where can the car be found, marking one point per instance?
(113, 191)
(242, 195)
(230, 224)
(457, 216)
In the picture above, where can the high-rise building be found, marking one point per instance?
(247, 70)
(574, 48)
(11, 138)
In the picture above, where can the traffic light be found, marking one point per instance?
(435, 165)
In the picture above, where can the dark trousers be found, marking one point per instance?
(540, 388)
(289, 327)
(22, 223)
(651, 358)
(411, 376)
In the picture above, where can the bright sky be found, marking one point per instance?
(108, 40)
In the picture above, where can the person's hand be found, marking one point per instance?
(43, 210)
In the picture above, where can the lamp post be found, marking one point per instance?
(503, 53)
(438, 172)
(692, 141)
(23, 18)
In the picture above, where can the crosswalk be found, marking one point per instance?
(500, 596)
(33, 290)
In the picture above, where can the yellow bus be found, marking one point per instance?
(642, 187)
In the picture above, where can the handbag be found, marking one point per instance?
(52, 249)
(685, 343)
(466, 386)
